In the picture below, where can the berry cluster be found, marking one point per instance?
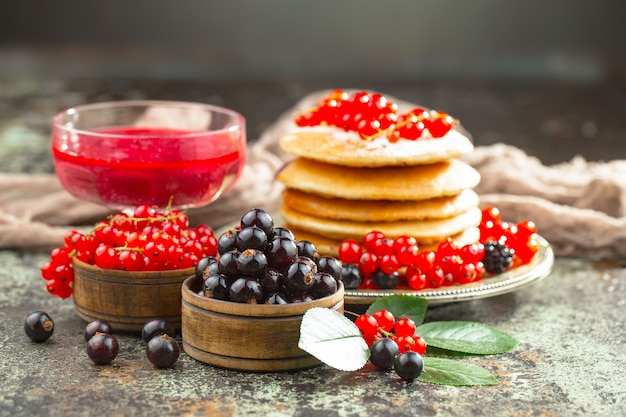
(162, 350)
(376, 262)
(393, 343)
(372, 115)
(147, 240)
(261, 263)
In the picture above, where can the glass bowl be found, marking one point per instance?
(127, 153)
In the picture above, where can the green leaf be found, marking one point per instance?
(444, 371)
(333, 339)
(467, 337)
(401, 306)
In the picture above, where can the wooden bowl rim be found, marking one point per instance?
(258, 310)
(169, 273)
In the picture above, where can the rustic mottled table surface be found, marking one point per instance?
(571, 325)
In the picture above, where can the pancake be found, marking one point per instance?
(425, 231)
(379, 210)
(418, 182)
(330, 247)
(336, 146)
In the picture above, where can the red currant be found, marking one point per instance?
(415, 278)
(350, 251)
(367, 324)
(405, 343)
(404, 326)
(385, 319)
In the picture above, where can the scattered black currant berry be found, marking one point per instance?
(102, 348)
(162, 351)
(95, 326)
(156, 327)
(383, 352)
(39, 326)
(409, 365)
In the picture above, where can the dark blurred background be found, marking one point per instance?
(548, 76)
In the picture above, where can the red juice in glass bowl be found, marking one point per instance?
(122, 154)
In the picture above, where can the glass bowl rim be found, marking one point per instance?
(57, 120)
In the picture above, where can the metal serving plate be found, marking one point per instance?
(511, 280)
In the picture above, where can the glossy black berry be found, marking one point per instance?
(251, 238)
(299, 277)
(308, 249)
(252, 262)
(385, 281)
(324, 285)
(276, 298)
(228, 265)
(383, 352)
(409, 365)
(258, 218)
(246, 290)
(281, 253)
(216, 286)
(95, 326)
(329, 265)
(282, 232)
(227, 241)
(162, 351)
(155, 327)
(206, 266)
(102, 348)
(300, 298)
(351, 275)
(38, 326)
(271, 281)
(498, 257)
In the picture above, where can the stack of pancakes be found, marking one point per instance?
(340, 187)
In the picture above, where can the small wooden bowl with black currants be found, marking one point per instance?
(243, 308)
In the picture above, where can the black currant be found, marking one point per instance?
(251, 262)
(300, 298)
(155, 327)
(276, 298)
(498, 257)
(282, 232)
(102, 348)
(227, 241)
(308, 249)
(162, 351)
(351, 275)
(228, 265)
(95, 326)
(216, 286)
(258, 218)
(329, 265)
(204, 267)
(251, 238)
(38, 326)
(300, 275)
(383, 352)
(325, 285)
(385, 281)
(246, 290)
(281, 253)
(409, 365)
(271, 281)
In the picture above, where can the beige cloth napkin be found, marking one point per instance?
(578, 206)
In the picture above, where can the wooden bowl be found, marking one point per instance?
(127, 300)
(247, 337)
